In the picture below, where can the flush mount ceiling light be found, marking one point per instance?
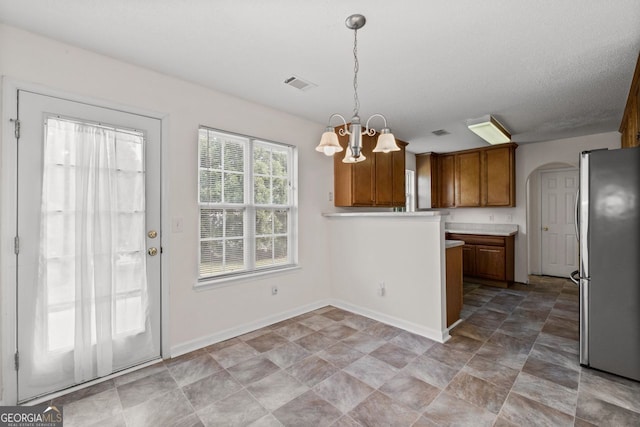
(489, 129)
(329, 144)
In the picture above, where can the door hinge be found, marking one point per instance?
(16, 245)
(16, 359)
(16, 127)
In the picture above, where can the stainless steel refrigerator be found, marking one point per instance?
(608, 225)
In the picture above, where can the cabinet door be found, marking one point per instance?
(498, 177)
(383, 178)
(469, 260)
(630, 127)
(363, 176)
(634, 119)
(626, 139)
(426, 181)
(490, 262)
(447, 178)
(399, 191)
(636, 137)
(454, 284)
(467, 180)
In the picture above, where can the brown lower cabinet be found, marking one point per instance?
(487, 259)
(454, 284)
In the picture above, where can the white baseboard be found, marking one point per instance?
(179, 349)
(433, 334)
(456, 323)
(196, 344)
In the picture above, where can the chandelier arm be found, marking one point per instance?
(344, 130)
(372, 116)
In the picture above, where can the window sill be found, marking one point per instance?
(213, 283)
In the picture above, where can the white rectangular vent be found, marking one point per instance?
(299, 83)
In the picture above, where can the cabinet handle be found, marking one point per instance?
(489, 250)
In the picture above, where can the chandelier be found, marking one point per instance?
(329, 144)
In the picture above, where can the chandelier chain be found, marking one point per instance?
(356, 68)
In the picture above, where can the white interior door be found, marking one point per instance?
(88, 284)
(559, 245)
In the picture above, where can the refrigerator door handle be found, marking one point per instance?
(573, 277)
(576, 220)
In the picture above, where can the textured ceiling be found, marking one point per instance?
(546, 69)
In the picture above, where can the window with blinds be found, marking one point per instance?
(247, 204)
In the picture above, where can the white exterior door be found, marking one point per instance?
(558, 235)
(88, 220)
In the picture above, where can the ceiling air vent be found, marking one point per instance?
(440, 132)
(299, 83)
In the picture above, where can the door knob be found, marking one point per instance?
(545, 228)
(153, 251)
(152, 234)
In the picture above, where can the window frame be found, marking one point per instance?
(249, 206)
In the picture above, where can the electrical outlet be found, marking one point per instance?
(491, 218)
(330, 196)
(509, 218)
(381, 289)
(274, 290)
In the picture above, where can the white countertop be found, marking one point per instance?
(430, 214)
(485, 229)
(453, 243)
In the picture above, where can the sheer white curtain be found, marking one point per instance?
(90, 233)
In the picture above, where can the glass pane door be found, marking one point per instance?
(88, 206)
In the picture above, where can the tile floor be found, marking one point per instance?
(512, 362)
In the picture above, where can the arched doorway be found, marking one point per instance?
(551, 195)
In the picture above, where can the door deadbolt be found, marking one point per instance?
(153, 251)
(152, 234)
(545, 228)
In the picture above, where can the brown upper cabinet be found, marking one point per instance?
(468, 178)
(630, 126)
(447, 181)
(498, 176)
(483, 177)
(435, 180)
(377, 181)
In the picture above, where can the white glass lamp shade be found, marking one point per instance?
(348, 157)
(386, 142)
(329, 144)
